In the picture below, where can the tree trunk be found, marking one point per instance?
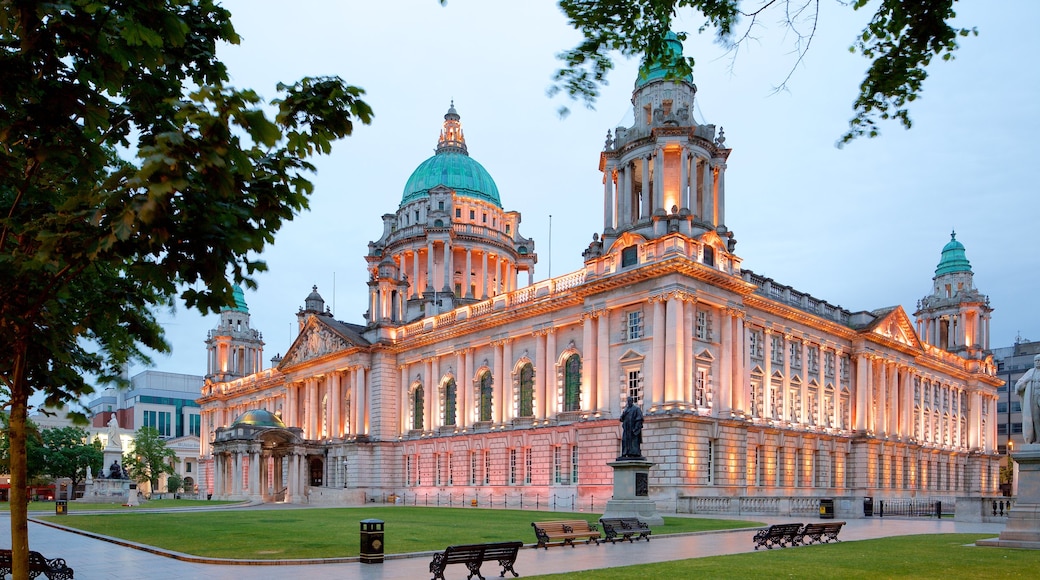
(19, 496)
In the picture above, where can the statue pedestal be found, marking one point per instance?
(632, 492)
(1023, 523)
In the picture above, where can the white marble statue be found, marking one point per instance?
(113, 434)
(1028, 388)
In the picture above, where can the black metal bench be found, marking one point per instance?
(565, 531)
(55, 568)
(624, 529)
(821, 533)
(473, 555)
(777, 535)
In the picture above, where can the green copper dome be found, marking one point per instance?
(259, 418)
(953, 258)
(658, 70)
(452, 167)
(240, 299)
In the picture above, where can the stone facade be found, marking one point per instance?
(757, 397)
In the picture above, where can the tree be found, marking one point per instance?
(900, 41)
(35, 463)
(150, 458)
(131, 178)
(174, 483)
(68, 452)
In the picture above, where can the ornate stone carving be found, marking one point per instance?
(316, 342)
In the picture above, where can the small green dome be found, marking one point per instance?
(240, 299)
(259, 418)
(953, 258)
(658, 70)
(452, 167)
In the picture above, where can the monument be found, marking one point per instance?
(1023, 524)
(631, 497)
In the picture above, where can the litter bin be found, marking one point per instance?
(868, 507)
(371, 541)
(61, 507)
(827, 508)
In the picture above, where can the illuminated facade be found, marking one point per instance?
(757, 397)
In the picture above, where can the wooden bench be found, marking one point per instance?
(473, 555)
(819, 533)
(55, 569)
(565, 531)
(624, 529)
(777, 535)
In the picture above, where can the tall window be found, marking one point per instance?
(512, 466)
(473, 468)
(451, 471)
(450, 394)
(635, 325)
(755, 344)
(158, 420)
(418, 408)
(526, 391)
(635, 385)
(528, 466)
(485, 396)
(574, 464)
(557, 467)
(756, 394)
(703, 327)
(194, 425)
(776, 349)
(487, 467)
(710, 462)
(572, 383)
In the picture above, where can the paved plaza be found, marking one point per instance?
(93, 558)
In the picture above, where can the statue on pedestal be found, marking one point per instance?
(1028, 389)
(113, 434)
(631, 431)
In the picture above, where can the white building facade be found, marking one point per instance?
(757, 398)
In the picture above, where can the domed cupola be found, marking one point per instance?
(452, 167)
(259, 418)
(956, 316)
(662, 68)
(314, 302)
(233, 348)
(953, 258)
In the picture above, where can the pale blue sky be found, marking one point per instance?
(860, 227)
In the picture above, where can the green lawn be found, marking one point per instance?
(76, 506)
(939, 556)
(334, 532)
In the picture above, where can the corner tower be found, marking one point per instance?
(450, 243)
(233, 348)
(956, 316)
(666, 172)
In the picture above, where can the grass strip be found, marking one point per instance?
(287, 533)
(929, 556)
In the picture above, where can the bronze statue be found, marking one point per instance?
(631, 431)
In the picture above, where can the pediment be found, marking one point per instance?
(316, 340)
(631, 356)
(894, 324)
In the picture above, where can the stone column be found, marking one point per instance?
(429, 266)
(362, 402)
(647, 194)
(725, 386)
(588, 357)
(484, 285)
(449, 275)
(603, 400)
(429, 394)
(657, 353)
(541, 373)
(499, 374)
(508, 404)
(608, 197)
(658, 180)
(549, 384)
(672, 348)
(862, 392)
(881, 417)
(767, 380)
(684, 178)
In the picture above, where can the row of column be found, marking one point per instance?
(329, 406)
(823, 414)
(254, 474)
(497, 274)
(235, 359)
(966, 328)
(698, 186)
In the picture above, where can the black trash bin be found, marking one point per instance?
(827, 508)
(61, 507)
(371, 541)
(868, 507)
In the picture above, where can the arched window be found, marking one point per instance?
(526, 391)
(572, 383)
(418, 409)
(485, 396)
(449, 402)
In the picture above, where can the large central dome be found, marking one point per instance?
(452, 167)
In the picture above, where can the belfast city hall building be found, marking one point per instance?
(467, 378)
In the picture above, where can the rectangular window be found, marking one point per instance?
(528, 466)
(484, 220)
(755, 344)
(710, 462)
(408, 471)
(828, 364)
(629, 256)
(574, 464)
(487, 467)
(458, 213)
(187, 467)
(472, 215)
(149, 419)
(512, 467)
(634, 329)
(473, 468)
(814, 360)
(451, 472)
(557, 467)
(779, 460)
(195, 425)
(437, 469)
(703, 330)
(635, 385)
(776, 350)
(796, 354)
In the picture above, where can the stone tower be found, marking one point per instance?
(233, 348)
(955, 317)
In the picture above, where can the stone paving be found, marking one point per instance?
(98, 559)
